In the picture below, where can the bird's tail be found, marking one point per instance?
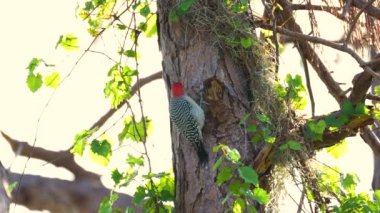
(202, 154)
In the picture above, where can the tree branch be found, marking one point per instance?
(60, 159)
(263, 160)
(56, 195)
(370, 10)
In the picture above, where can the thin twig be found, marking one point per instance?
(325, 42)
(308, 82)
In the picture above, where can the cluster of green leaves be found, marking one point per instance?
(294, 92)
(35, 78)
(100, 150)
(135, 130)
(237, 6)
(315, 129)
(343, 187)
(156, 188)
(242, 181)
(161, 192)
(118, 88)
(96, 12)
(260, 128)
(268, 35)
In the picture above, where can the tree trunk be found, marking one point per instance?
(193, 56)
(4, 197)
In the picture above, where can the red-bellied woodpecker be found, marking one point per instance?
(189, 119)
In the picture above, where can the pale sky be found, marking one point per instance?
(31, 29)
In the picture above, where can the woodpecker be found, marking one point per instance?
(189, 119)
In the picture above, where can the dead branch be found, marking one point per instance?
(60, 159)
(56, 195)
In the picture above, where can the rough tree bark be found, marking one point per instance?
(190, 56)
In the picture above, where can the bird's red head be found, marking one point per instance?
(177, 89)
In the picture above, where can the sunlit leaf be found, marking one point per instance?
(260, 195)
(68, 42)
(101, 151)
(80, 141)
(238, 206)
(105, 206)
(34, 82)
(131, 160)
(338, 149)
(52, 80)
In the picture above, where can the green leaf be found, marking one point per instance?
(252, 128)
(52, 80)
(233, 155)
(376, 194)
(217, 148)
(284, 146)
(116, 176)
(105, 206)
(217, 163)
(338, 149)
(251, 209)
(246, 42)
(237, 187)
(270, 140)
(139, 195)
(261, 196)
(121, 26)
(315, 130)
(238, 206)
(101, 151)
(349, 182)
(68, 42)
(224, 175)
(33, 64)
(80, 141)
(134, 131)
(34, 82)
(263, 118)
(377, 90)
(294, 145)
(131, 160)
(145, 10)
(130, 53)
(184, 6)
(11, 187)
(151, 26)
(249, 175)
